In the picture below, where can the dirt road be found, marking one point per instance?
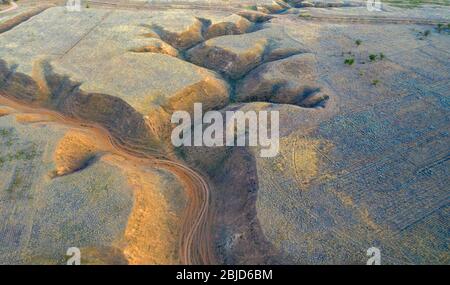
(195, 243)
(11, 8)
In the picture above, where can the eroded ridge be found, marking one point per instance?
(293, 80)
(80, 152)
(247, 62)
(21, 18)
(86, 144)
(247, 52)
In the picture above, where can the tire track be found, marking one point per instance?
(195, 243)
(21, 18)
(372, 20)
(13, 7)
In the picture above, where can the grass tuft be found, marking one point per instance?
(349, 61)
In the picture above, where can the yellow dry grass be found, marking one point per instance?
(73, 151)
(152, 232)
(162, 48)
(28, 118)
(4, 112)
(306, 159)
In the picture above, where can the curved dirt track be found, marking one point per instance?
(162, 6)
(21, 17)
(230, 8)
(13, 7)
(195, 242)
(372, 20)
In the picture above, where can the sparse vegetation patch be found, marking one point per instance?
(23, 154)
(374, 57)
(422, 34)
(443, 28)
(349, 61)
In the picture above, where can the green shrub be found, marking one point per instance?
(349, 61)
(443, 27)
(251, 7)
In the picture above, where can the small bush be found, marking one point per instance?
(382, 56)
(441, 27)
(375, 82)
(5, 132)
(424, 34)
(358, 42)
(349, 61)
(372, 57)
